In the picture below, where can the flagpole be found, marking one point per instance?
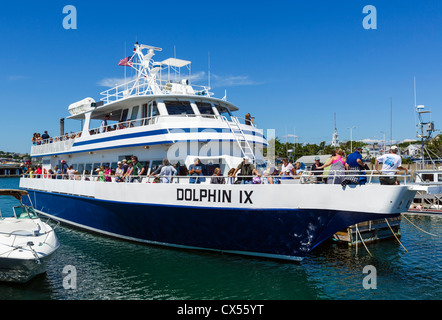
(125, 67)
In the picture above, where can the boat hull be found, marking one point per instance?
(23, 270)
(282, 233)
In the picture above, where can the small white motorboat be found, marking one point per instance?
(26, 242)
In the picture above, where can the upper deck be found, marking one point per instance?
(160, 106)
(150, 122)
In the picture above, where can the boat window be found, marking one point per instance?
(121, 158)
(144, 111)
(155, 165)
(152, 111)
(428, 177)
(134, 114)
(24, 212)
(95, 166)
(88, 168)
(439, 177)
(209, 168)
(114, 165)
(145, 164)
(205, 108)
(80, 168)
(178, 107)
(223, 111)
(123, 117)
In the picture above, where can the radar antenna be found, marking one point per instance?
(425, 131)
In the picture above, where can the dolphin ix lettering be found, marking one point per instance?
(212, 195)
(207, 195)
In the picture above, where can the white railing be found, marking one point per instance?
(369, 176)
(54, 144)
(65, 143)
(143, 87)
(306, 177)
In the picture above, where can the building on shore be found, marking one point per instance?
(10, 168)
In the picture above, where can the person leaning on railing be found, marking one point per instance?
(217, 178)
(137, 170)
(167, 172)
(390, 163)
(195, 171)
(247, 171)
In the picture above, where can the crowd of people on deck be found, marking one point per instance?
(39, 139)
(342, 170)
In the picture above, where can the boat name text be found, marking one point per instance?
(212, 195)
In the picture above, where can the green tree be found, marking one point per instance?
(435, 145)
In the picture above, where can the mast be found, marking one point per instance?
(335, 139)
(391, 121)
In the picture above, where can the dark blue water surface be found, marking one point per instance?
(107, 268)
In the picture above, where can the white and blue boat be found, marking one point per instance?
(160, 114)
(27, 243)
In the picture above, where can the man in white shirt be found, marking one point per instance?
(390, 163)
(103, 127)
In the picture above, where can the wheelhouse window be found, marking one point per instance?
(223, 111)
(205, 108)
(149, 112)
(153, 110)
(178, 107)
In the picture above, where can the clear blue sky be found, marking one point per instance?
(292, 64)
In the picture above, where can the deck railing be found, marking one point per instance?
(141, 87)
(306, 177)
(65, 142)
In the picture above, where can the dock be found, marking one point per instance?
(370, 231)
(9, 169)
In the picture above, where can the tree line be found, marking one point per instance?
(296, 150)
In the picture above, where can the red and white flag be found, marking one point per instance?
(126, 62)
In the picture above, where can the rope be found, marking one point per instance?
(362, 240)
(395, 235)
(37, 259)
(434, 235)
(7, 252)
(356, 241)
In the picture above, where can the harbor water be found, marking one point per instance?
(111, 269)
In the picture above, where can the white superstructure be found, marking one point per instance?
(157, 115)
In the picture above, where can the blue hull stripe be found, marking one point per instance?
(137, 145)
(282, 232)
(159, 132)
(150, 134)
(122, 137)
